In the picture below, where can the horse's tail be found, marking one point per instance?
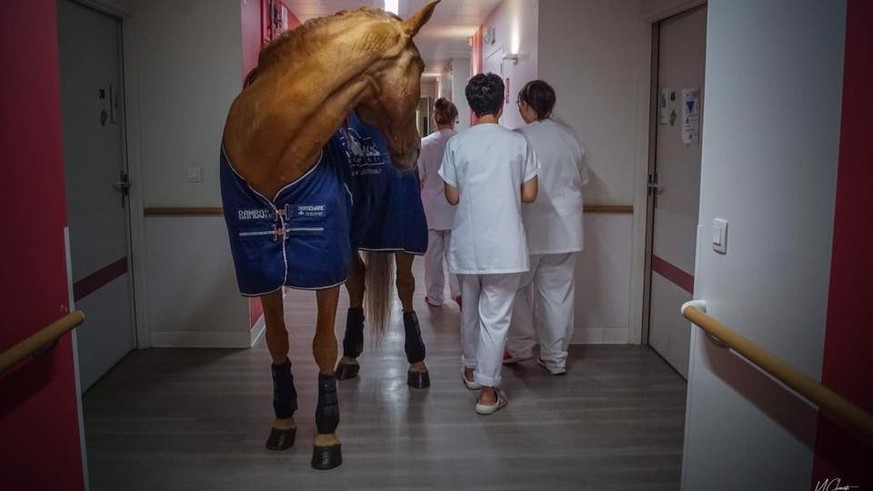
(380, 290)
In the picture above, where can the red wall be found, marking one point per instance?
(251, 36)
(255, 21)
(849, 337)
(39, 447)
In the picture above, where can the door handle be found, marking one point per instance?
(123, 185)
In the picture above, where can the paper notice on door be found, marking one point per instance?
(664, 105)
(690, 116)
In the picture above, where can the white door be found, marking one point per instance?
(93, 145)
(675, 182)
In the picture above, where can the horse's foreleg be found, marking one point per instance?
(353, 339)
(284, 395)
(417, 376)
(327, 452)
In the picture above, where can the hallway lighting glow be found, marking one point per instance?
(392, 6)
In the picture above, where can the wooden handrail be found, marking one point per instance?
(183, 211)
(840, 409)
(192, 211)
(39, 340)
(624, 209)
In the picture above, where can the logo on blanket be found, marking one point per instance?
(364, 156)
(255, 214)
(310, 210)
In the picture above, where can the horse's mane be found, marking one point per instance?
(293, 41)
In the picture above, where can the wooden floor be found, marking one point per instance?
(197, 419)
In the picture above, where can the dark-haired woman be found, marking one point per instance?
(489, 171)
(439, 212)
(554, 236)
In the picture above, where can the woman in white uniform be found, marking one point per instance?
(438, 211)
(554, 236)
(488, 172)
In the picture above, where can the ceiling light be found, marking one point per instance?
(392, 6)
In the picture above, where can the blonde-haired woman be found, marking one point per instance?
(438, 211)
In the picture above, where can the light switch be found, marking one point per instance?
(193, 174)
(719, 235)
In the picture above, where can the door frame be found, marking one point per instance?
(667, 10)
(650, 172)
(130, 129)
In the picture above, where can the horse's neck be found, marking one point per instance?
(278, 126)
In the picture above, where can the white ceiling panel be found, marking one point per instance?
(443, 38)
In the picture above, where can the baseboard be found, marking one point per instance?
(257, 330)
(201, 339)
(614, 335)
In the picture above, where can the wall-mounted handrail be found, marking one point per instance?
(40, 340)
(195, 211)
(183, 211)
(619, 209)
(837, 407)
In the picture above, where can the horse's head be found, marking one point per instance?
(396, 79)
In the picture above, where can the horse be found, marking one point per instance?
(280, 136)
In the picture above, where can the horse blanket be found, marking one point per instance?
(303, 237)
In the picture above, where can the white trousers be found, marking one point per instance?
(552, 286)
(438, 242)
(483, 329)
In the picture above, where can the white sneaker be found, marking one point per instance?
(551, 370)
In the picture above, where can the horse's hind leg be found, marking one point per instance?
(417, 376)
(284, 395)
(353, 340)
(327, 452)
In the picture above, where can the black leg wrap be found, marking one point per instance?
(327, 409)
(413, 345)
(284, 394)
(353, 341)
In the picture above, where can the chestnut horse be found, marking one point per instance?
(280, 134)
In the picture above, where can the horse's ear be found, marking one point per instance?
(414, 23)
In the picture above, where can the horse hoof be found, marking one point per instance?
(325, 458)
(347, 369)
(418, 380)
(281, 439)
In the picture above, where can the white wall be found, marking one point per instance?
(770, 147)
(444, 82)
(429, 88)
(460, 76)
(596, 54)
(183, 67)
(515, 32)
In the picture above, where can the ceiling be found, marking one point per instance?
(441, 39)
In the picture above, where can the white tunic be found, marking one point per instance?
(554, 221)
(488, 164)
(438, 211)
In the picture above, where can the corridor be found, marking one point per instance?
(197, 419)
